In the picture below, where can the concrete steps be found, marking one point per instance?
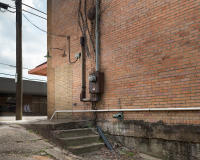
(86, 148)
(74, 141)
(75, 136)
(74, 132)
(78, 140)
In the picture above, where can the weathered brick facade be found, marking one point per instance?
(149, 54)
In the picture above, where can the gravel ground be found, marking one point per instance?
(16, 143)
(120, 153)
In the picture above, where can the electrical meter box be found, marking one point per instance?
(96, 83)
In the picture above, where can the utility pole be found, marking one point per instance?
(19, 81)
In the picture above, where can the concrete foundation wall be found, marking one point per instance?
(168, 142)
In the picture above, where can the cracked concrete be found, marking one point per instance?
(17, 143)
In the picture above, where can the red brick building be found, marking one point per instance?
(149, 54)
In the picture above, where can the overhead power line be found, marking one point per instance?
(12, 75)
(11, 11)
(34, 8)
(5, 74)
(34, 14)
(5, 64)
(50, 34)
(33, 24)
(4, 6)
(29, 11)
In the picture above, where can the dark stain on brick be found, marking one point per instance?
(165, 57)
(183, 33)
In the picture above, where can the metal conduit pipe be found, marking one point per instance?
(97, 34)
(83, 67)
(127, 110)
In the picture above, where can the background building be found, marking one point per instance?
(34, 96)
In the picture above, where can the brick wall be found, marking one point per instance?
(149, 54)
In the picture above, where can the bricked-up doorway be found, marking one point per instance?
(63, 89)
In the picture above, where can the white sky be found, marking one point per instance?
(34, 41)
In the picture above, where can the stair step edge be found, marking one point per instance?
(85, 145)
(71, 130)
(79, 137)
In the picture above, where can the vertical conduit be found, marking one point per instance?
(83, 91)
(97, 34)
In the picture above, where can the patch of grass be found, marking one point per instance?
(30, 130)
(130, 154)
(126, 153)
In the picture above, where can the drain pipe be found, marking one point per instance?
(97, 50)
(97, 34)
(83, 90)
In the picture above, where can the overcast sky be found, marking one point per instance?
(34, 41)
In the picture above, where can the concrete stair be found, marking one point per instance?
(74, 141)
(74, 132)
(86, 148)
(75, 136)
(79, 140)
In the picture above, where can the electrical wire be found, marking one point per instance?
(38, 80)
(5, 74)
(11, 11)
(12, 7)
(34, 14)
(83, 25)
(33, 8)
(5, 64)
(28, 12)
(50, 34)
(34, 24)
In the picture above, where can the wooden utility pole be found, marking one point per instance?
(19, 80)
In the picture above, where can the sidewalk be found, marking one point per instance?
(16, 143)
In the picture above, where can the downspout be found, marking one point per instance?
(83, 90)
(83, 66)
(97, 35)
(97, 50)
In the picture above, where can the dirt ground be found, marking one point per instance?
(17, 143)
(120, 153)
